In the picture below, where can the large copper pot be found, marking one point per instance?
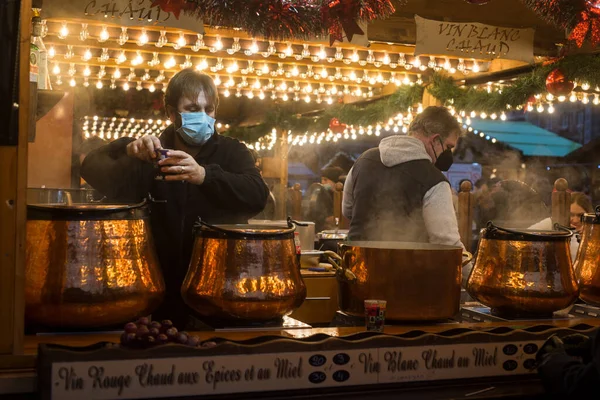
(419, 281)
(90, 265)
(244, 272)
(587, 266)
(523, 273)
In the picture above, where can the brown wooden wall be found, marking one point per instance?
(49, 162)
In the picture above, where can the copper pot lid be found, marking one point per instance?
(495, 232)
(86, 211)
(244, 231)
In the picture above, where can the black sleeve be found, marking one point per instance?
(568, 377)
(241, 187)
(117, 176)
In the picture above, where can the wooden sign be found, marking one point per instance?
(123, 13)
(279, 364)
(473, 40)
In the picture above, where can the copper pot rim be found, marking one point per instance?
(407, 246)
(592, 218)
(245, 232)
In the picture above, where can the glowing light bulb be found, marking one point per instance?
(72, 82)
(354, 56)
(324, 72)
(218, 44)
(475, 67)
(56, 69)
(117, 73)
(99, 85)
(170, 63)
(51, 52)
(104, 35)
(202, 65)
(151, 89)
(64, 31)
(386, 59)
(265, 69)
(503, 116)
(289, 51)
(121, 58)
(322, 53)
(261, 95)
(253, 47)
(550, 109)
(87, 55)
(86, 71)
(138, 59)
(181, 42)
(143, 39)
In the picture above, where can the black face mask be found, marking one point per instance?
(444, 161)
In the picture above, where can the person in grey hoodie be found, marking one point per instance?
(397, 192)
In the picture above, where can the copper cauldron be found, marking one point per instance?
(90, 265)
(587, 266)
(419, 281)
(244, 272)
(523, 273)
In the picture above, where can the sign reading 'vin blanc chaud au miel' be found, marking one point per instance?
(473, 40)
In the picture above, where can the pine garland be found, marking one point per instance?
(563, 14)
(579, 68)
(285, 118)
(276, 19)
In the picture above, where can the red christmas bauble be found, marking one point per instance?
(557, 83)
(478, 2)
(593, 6)
(336, 127)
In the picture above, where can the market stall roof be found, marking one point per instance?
(531, 140)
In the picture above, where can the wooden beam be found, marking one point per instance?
(13, 207)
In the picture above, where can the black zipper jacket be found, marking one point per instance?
(233, 191)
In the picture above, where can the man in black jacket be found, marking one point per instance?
(206, 175)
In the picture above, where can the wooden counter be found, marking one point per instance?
(19, 375)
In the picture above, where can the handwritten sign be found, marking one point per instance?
(473, 40)
(226, 374)
(122, 12)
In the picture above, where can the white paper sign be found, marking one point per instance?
(123, 13)
(473, 40)
(174, 377)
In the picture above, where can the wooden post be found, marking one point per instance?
(13, 207)
(337, 202)
(561, 203)
(465, 214)
(283, 176)
(338, 199)
(295, 194)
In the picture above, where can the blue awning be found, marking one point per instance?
(531, 140)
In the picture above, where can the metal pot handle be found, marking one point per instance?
(338, 264)
(468, 259)
(491, 226)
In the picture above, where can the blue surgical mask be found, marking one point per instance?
(196, 128)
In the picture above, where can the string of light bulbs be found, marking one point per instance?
(317, 53)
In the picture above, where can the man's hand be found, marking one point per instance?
(182, 167)
(144, 148)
